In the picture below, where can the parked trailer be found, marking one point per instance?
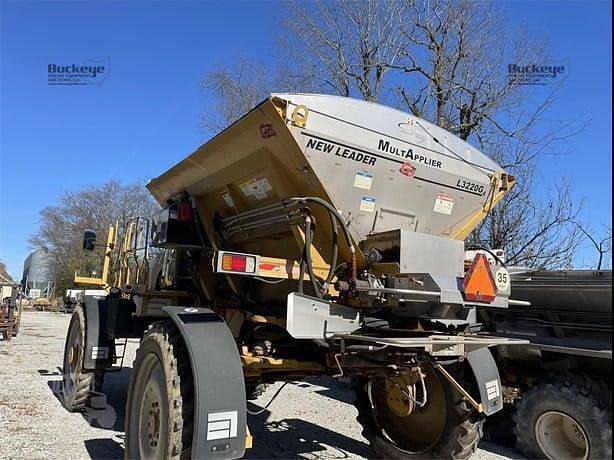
(564, 373)
(10, 311)
(316, 235)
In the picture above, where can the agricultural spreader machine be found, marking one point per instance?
(317, 235)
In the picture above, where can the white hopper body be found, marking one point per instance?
(380, 167)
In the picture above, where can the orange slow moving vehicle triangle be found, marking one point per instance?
(479, 283)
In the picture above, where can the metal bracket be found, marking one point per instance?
(478, 406)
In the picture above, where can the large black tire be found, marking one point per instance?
(565, 416)
(160, 406)
(458, 439)
(78, 386)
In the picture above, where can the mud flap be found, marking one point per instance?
(105, 319)
(220, 415)
(99, 349)
(486, 374)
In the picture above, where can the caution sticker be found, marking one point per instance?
(363, 180)
(258, 187)
(492, 389)
(367, 203)
(228, 199)
(444, 204)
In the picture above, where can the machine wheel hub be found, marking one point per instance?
(400, 395)
(153, 416)
(73, 355)
(412, 429)
(560, 436)
(153, 419)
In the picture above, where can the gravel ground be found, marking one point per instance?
(314, 419)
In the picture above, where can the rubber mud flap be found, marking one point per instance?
(487, 378)
(99, 350)
(220, 412)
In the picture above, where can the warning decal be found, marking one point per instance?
(367, 203)
(363, 180)
(444, 204)
(228, 199)
(258, 187)
(492, 389)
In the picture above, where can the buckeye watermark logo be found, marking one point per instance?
(537, 74)
(89, 72)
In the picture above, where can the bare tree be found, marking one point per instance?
(536, 234)
(454, 70)
(96, 207)
(445, 61)
(237, 88)
(454, 60)
(602, 244)
(345, 47)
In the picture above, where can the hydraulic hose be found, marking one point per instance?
(335, 251)
(307, 257)
(482, 248)
(337, 216)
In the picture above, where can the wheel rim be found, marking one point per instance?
(418, 431)
(559, 436)
(72, 357)
(153, 413)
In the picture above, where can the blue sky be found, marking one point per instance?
(145, 116)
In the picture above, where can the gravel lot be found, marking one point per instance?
(308, 420)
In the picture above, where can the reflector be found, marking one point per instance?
(238, 263)
(184, 211)
(479, 283)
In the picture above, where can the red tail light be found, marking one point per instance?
(229, 262)
(184, 211)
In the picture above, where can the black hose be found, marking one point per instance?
(482, 248)
(335, 250)
(334, 213)
(331, 209)
(261, 410)
(302, 270)
(308, 241)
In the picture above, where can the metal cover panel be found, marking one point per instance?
(422, 253)
(311, 318)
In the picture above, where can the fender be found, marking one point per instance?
(106, 318)
(99, 349)
(486, 374)
(220, 411)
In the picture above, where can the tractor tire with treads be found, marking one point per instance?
(447, 427)
(160, 406)
(566, 416)
(78, 386)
